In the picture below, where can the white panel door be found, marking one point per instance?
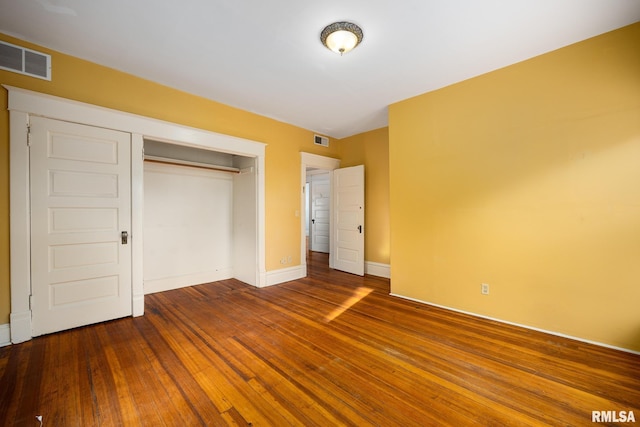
(320, 215)
(348, 188)
(80, 205)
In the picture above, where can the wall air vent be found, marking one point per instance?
(321, 140)
(25, 61)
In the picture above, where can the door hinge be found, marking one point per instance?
(30, 302)
(28, 134)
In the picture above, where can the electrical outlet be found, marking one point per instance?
(286, 259)
(484, 289)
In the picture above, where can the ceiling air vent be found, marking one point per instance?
(25, 61)
(321, 140)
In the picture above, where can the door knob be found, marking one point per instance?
(125, 237)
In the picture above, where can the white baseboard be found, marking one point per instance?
(20, 326)
(5, 335)
(168, 283)
(282, 275)
(377, 269)
(138, 305)
(262, 279)
(558, 334)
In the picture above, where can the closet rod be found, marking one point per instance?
(158, 159)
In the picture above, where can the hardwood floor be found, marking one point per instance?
(330, 349)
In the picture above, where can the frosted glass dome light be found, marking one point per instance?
(341, 37)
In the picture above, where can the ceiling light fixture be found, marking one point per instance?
(341, 37)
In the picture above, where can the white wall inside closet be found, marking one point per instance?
(199, 223)
(245, 226)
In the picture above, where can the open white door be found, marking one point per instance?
(348, 215)
(80, 212)
(320, 191)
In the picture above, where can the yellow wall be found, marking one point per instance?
(87, 82)
(528, 179)
(371, 149)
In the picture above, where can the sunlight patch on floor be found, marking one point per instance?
(358, 294)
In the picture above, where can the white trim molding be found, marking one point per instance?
(377, 269)
(20, 326)
(519, 325)
(275, 277)
(137, 216)
(20, 230)
(5, 335)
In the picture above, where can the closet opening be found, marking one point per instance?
(200, 216)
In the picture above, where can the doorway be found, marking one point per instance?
(346, 239)
(315, 164)
(198, 211)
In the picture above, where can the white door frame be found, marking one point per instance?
(23, 103)
(308, 160)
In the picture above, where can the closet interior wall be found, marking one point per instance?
(200, 210)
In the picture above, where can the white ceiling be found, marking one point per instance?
(266, 56)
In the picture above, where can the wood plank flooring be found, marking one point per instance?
(328, 350)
